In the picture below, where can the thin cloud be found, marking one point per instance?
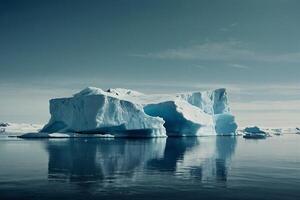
(239, 66)
(229, 27)
(230, 51)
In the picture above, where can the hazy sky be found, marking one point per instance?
(55, 48)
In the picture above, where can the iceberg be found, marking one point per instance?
(254, 133)
(254, 129)
(18, 128)
(3, 124)
(128, 113)
(94, 111)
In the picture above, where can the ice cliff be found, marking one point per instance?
(123, 112)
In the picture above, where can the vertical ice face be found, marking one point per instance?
(215, 104)
(124, 112)
(182, 118)
(224, 121)
(211, 102)
(220, 104)
(225, 124)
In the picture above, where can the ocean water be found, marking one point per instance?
(163, 168)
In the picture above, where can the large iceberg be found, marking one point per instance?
(123, 112)
(95, 111)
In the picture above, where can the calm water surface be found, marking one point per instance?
(172, 168)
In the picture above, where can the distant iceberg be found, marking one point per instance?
(254, 132)
(127, 113)
(254, 129)
(18, 128)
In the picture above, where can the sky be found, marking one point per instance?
(54, 48)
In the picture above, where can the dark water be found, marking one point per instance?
(173, 168)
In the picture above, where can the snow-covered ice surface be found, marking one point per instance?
(123, 112)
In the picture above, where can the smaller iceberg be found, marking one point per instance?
(3, 124)
(14, 129)
(254, 133)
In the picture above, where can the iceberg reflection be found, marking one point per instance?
(97, 159)
(113, 160)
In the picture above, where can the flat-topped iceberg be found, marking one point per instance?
(128, 113)
(95, 111)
